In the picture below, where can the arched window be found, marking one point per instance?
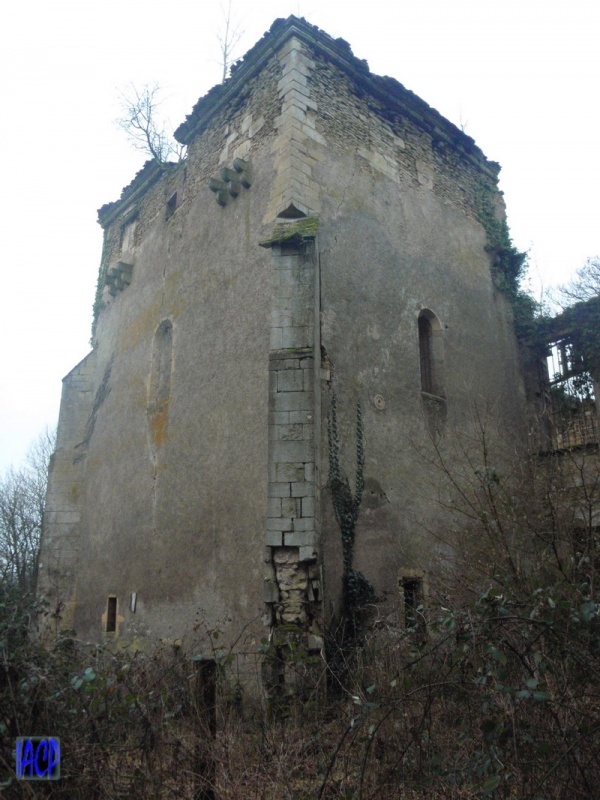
(431, 358)
(431, 353)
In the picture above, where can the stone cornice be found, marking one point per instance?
(149, 174)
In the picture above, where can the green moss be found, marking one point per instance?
(291, 232)
(99, 303)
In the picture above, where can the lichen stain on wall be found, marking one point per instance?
(157, 423)
(141, 326)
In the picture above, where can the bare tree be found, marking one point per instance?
(585, 285)
(143, 126)
(228, 40)
(22, 499)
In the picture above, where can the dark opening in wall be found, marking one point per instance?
(171, 206)
(431, 354)
(431, 359)
(412, 591)
(413, 602)
(111, 615)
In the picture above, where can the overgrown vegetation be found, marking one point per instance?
(508, 264)
(141, 122)
(575, 332)
(498, 700)
(357, 591)
(22, 500)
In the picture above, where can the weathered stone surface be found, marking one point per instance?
(304, 537)
(189, 473)
(273, 539)
(302, 489)
(290, 472)
(280, 524)
(279, 489)
(292, 581)
(290, 380)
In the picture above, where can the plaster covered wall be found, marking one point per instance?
(173, 493)
(398, 235)
(194, 439)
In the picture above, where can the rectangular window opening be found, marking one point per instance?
(413, 597)
(111, 615)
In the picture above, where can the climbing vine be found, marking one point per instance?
(508, 263)
(358, 592)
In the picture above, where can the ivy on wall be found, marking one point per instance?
(508, 264)
(580, 321)
(358, 591)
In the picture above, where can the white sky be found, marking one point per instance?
(521, 76)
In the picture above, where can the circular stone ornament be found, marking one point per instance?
(379, 402)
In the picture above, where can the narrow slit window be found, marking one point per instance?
(426, 354)
(413, 601)
(128, 236)
(171, 206)
(412, 592)
(111, 615)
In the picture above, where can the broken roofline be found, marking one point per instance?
(148, 175)
(393, 95)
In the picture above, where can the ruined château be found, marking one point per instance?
(323, 244)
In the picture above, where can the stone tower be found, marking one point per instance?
(321, 242)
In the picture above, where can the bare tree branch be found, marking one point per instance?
(228, 40)
(22, 500)
(585, 285)
(142, 124)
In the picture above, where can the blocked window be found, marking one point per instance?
(128, 235)
(160, 375)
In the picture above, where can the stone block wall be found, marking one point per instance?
(292, 590)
